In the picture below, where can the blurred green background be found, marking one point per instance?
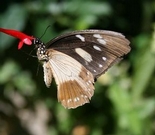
(124, 99)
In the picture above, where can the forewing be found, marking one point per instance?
(96, 50)
(74, 81)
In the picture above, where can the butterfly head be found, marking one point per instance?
(41, 50)
(38, 43)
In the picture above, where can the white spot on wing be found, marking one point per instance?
(104, 58)
(85, 96)
(76, 99)
(81, 38)
(85, 55)
(88, 73)
(69, 100)
(100, 65)
(89, 81)
(94, 70)
(97, 48)
(101, 41)
(97, 36)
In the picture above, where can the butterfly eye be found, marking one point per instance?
(77, 59)
(36, 41)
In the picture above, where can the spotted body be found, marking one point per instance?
(76, 59)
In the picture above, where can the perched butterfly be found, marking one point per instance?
(78, 58)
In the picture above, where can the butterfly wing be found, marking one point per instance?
(74, 81)
(96, 50)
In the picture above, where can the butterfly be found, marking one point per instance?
(75, 60)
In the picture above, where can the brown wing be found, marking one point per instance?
(74, 81)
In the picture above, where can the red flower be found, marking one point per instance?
(24, 39)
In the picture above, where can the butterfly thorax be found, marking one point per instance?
(41, 50)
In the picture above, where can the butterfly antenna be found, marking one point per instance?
(45, 31)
